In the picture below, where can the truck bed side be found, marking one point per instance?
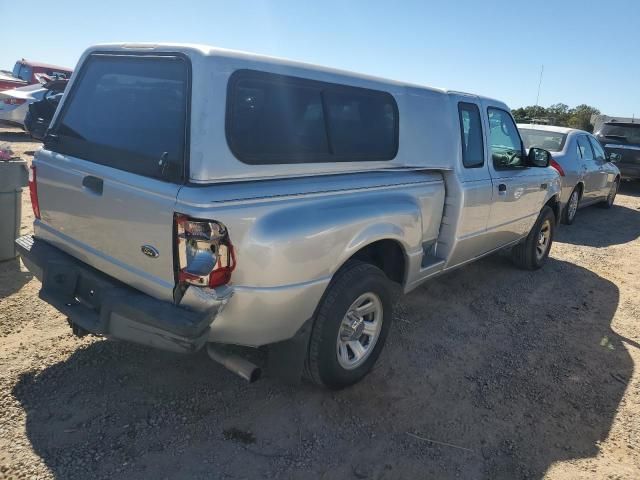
(292, 235)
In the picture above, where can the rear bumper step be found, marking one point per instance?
(100, 304)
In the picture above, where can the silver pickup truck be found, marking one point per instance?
(191, 197)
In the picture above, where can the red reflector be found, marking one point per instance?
(557, 166)
(33, 191)
(14, 101)
(221, 275)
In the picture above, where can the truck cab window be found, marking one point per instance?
(471, 133)
(504, 140)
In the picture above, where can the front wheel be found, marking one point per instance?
(572, 207)
(532, 253)
(351, 325)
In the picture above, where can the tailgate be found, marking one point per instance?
(113, 164)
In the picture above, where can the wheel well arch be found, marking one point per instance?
(580, 187)
(554, 204)
(386, 254)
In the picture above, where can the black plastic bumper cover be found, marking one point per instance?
(102, 305)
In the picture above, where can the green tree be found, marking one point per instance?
(529, 113)
(580, 117)
(559, 114)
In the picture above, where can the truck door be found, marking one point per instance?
(518, 191)
(475, 188)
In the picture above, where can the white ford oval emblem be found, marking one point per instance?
(150, 251)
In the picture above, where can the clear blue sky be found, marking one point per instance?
(495, 48)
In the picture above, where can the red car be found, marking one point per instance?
(26, 73)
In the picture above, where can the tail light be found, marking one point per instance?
(557, 166)
(14, 101)
(205, 254)
(33, 191)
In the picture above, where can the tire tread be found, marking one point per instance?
(346, 276)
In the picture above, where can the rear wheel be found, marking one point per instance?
(571, 209)
(532, 253)
(351, 325)
(611, 197)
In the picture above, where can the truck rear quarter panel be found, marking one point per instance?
(290, 238)
(289, 245)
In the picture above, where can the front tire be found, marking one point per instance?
(571, 209)
(351, 325)
(532, 253)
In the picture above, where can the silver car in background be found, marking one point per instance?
(587, 175)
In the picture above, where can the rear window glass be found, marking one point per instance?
(471, 135)
(128, 112)
(621, 133)
(552, 141)
(275, 119)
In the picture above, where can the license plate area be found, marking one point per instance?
(75, 294)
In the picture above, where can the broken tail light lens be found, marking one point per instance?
(204, 252)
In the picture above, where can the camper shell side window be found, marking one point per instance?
(280, 119)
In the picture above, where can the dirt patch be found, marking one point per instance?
(490, 372)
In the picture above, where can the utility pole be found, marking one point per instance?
(539, 85)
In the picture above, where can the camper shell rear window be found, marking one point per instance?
(128, 112)
(279, 119)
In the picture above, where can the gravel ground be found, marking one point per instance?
(489, 372)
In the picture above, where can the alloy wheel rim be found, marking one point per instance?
(359, 331)
(544, 239)
(573, 205)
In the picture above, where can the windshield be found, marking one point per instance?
(629, 133)
(552, 141)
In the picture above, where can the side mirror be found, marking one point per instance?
(614, 157)
(538, 157)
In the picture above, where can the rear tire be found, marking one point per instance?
(611, 197)
(533, 252)
(571, 209)
(343, 350)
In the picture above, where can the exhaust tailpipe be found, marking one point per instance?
(238, 365)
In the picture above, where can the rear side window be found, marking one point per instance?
(597, 149)
(584, 148)
(275, 119)
(471, 132)
(129, 113)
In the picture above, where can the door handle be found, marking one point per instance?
(502, 189)
(543, 186)
(93, 184)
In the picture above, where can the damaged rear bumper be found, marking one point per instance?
(100, 304)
